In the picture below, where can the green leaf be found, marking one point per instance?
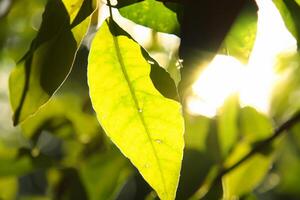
(254, 126)
(243, 179)
(48, 62)
(248, 175)
(15, 167)
(285, 99)
(227, 125)
(241, 37)
(161, 47)
(290, 12)
(152, 14)
(85, 125)
(196, 132)
(8, 188)
(147, 127)
(288, 167)
(103, 175)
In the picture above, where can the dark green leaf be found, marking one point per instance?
(240, 39)
(103, 175)
(290, 12)
(48, 62)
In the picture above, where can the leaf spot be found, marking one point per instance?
(158, 141)
(146, 166)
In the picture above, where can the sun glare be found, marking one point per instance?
(254, 82)
(219, 80)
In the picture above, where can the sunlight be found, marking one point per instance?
(217, 82)
(253, 82)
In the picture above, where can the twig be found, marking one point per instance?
(258, 148)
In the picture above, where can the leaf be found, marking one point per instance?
(8, 187)
(103, 175)
(290, 12)
(152, 14)
(241, 37)
(162, 47)
(288, 167)
(196, 132)
(248, 175)
(147, 127)
(227, 125)
(68, 107)
(254, 127)
(285, 99)
(48, 62)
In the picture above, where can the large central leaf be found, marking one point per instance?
(147, 127)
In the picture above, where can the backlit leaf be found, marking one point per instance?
(49, 60)
(240, 39)
(147, 127)
(227, 125)
(248, 175)
(290, 12)
(152, 14)
(162, 47)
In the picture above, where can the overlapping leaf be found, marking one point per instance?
(248, 175)
(162, 47)
(227, 125)
(104, 174)
(147, 127)
(240, 39)
(290, 12)
(152, 14)
(254, 127)
(49, 60)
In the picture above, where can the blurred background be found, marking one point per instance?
(238, 98)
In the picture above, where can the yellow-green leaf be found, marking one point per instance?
(248, 175)
(147, 127)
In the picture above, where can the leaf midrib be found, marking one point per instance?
(136, 104)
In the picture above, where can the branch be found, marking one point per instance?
(258, 148)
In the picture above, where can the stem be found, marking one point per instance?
(258, 148)
(110, 9)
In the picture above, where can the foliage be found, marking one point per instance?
(124, 131)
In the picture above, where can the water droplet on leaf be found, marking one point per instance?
(158, 141)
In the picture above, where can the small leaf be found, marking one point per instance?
(152, 14)
(48, 62)
(254, 128)
(227, 125)
(248, 175)
(103, 175)
(68, 107)
(241, 37)
(254, 125)
(290, 12)
(196, 132)
(147, 127)
(285, 99)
